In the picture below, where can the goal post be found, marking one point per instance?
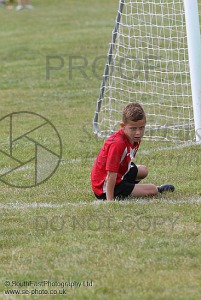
(194, 50)
(107, 66)
(154, 58)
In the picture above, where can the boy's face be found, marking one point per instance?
(134, 130)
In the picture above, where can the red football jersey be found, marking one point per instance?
(114, 156)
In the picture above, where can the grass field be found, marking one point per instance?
(57, 232)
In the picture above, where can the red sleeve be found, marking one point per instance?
(114, 156)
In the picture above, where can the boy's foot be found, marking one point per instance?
(166, 188)
(29, 6)
(19, 7)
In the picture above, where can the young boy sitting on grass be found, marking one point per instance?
(113, 174)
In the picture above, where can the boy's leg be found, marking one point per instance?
(142, 172)
(28, 5)
(151, 190)
(144, 190)
(19, 5)
(136, 173)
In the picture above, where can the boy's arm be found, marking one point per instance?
(111, 180)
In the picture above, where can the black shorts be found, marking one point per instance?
(126, 186)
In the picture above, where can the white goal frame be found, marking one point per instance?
(194, 51)
(194, 58)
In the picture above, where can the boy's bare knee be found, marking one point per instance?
(142, 172)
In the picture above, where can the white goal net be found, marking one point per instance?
(148, 63)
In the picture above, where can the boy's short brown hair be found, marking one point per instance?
(133, 112)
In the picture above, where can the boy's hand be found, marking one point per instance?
(110, 185)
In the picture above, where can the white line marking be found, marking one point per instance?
(36, 205)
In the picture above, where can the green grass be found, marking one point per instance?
(142, 249)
